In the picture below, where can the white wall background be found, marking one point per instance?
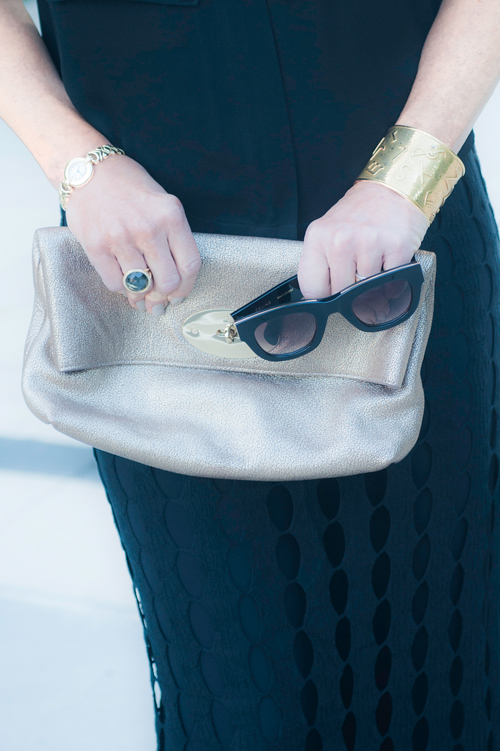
(74, 672)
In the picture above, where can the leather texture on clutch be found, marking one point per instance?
(131, 384)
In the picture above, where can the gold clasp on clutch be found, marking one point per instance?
(230, 333)
(214, 332)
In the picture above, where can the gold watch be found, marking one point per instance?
(79, 171)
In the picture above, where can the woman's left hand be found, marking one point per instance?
(371, 228)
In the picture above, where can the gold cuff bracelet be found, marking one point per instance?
(417, 166)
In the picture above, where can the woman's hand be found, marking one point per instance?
(371, 228)
(125, 220)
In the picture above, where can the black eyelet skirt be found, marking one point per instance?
(353, 613)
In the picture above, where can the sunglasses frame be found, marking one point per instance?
(264, 308)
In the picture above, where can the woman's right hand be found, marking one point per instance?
(125, 220)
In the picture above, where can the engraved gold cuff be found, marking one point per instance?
(417, 166)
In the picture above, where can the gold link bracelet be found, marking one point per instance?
(79, 171)
(417, 166)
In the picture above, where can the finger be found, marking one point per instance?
(368, 264)
(314, 273)
(342, 269)
(185, 254)
(110, 272)
(165, 274)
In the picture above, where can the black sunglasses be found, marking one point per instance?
(281, 324)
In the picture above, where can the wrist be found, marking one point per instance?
(73, 145)
(80, 170)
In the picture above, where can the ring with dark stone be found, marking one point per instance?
(138, 280)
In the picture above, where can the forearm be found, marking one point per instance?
(33, 101)
(458, 71)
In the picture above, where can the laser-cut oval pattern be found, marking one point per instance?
(295, 604)
(178, 524)
(288, 556)
(382, 622)
(456, 584)
(493, 429)
(421, 555)
(383, 668)
(419, 648)
(420, 692)
(383, 713)
(309, 702)
(190, 574)
(249, 616)
(287, 551)
(419, 602)
(455, 630)
(313, 741)
(269, 719)
(230, 518)
(375, 486)
(347, 686)
(137, 523)
(381, 573)
(420, 735)
(493, 474)
(223, 722)
(280, 507)
(456, 675)
(343, 638)
(349, 731)
(422, 509)
(303, 653)
(463, 447)
(421, 463)
(380, 525)
(212, 674)
(201, 624)
(240, 568)
(339, 590)
(260, 669)
(334, 542)
(462, 492)
(328, 493)
(458, 538)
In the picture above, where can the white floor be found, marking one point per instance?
(74, 673)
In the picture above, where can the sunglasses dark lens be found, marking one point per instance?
(382, 304)
(286, 334)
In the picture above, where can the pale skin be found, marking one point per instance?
(124, 219)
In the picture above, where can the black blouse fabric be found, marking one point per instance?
(257, 114)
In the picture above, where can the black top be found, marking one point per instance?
(257, 114)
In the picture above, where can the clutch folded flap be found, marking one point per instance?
(94, 328)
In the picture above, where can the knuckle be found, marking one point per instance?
(315, 231)
(174, 211)
(342, 240)
(190, 266)
(167, 283)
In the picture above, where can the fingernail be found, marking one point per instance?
(141, 305)
(177, 300)
(158, 310)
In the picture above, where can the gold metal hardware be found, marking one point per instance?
(215, 333)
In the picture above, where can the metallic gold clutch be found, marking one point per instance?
(134, 385)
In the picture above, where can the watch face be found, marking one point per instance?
(78, 171)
